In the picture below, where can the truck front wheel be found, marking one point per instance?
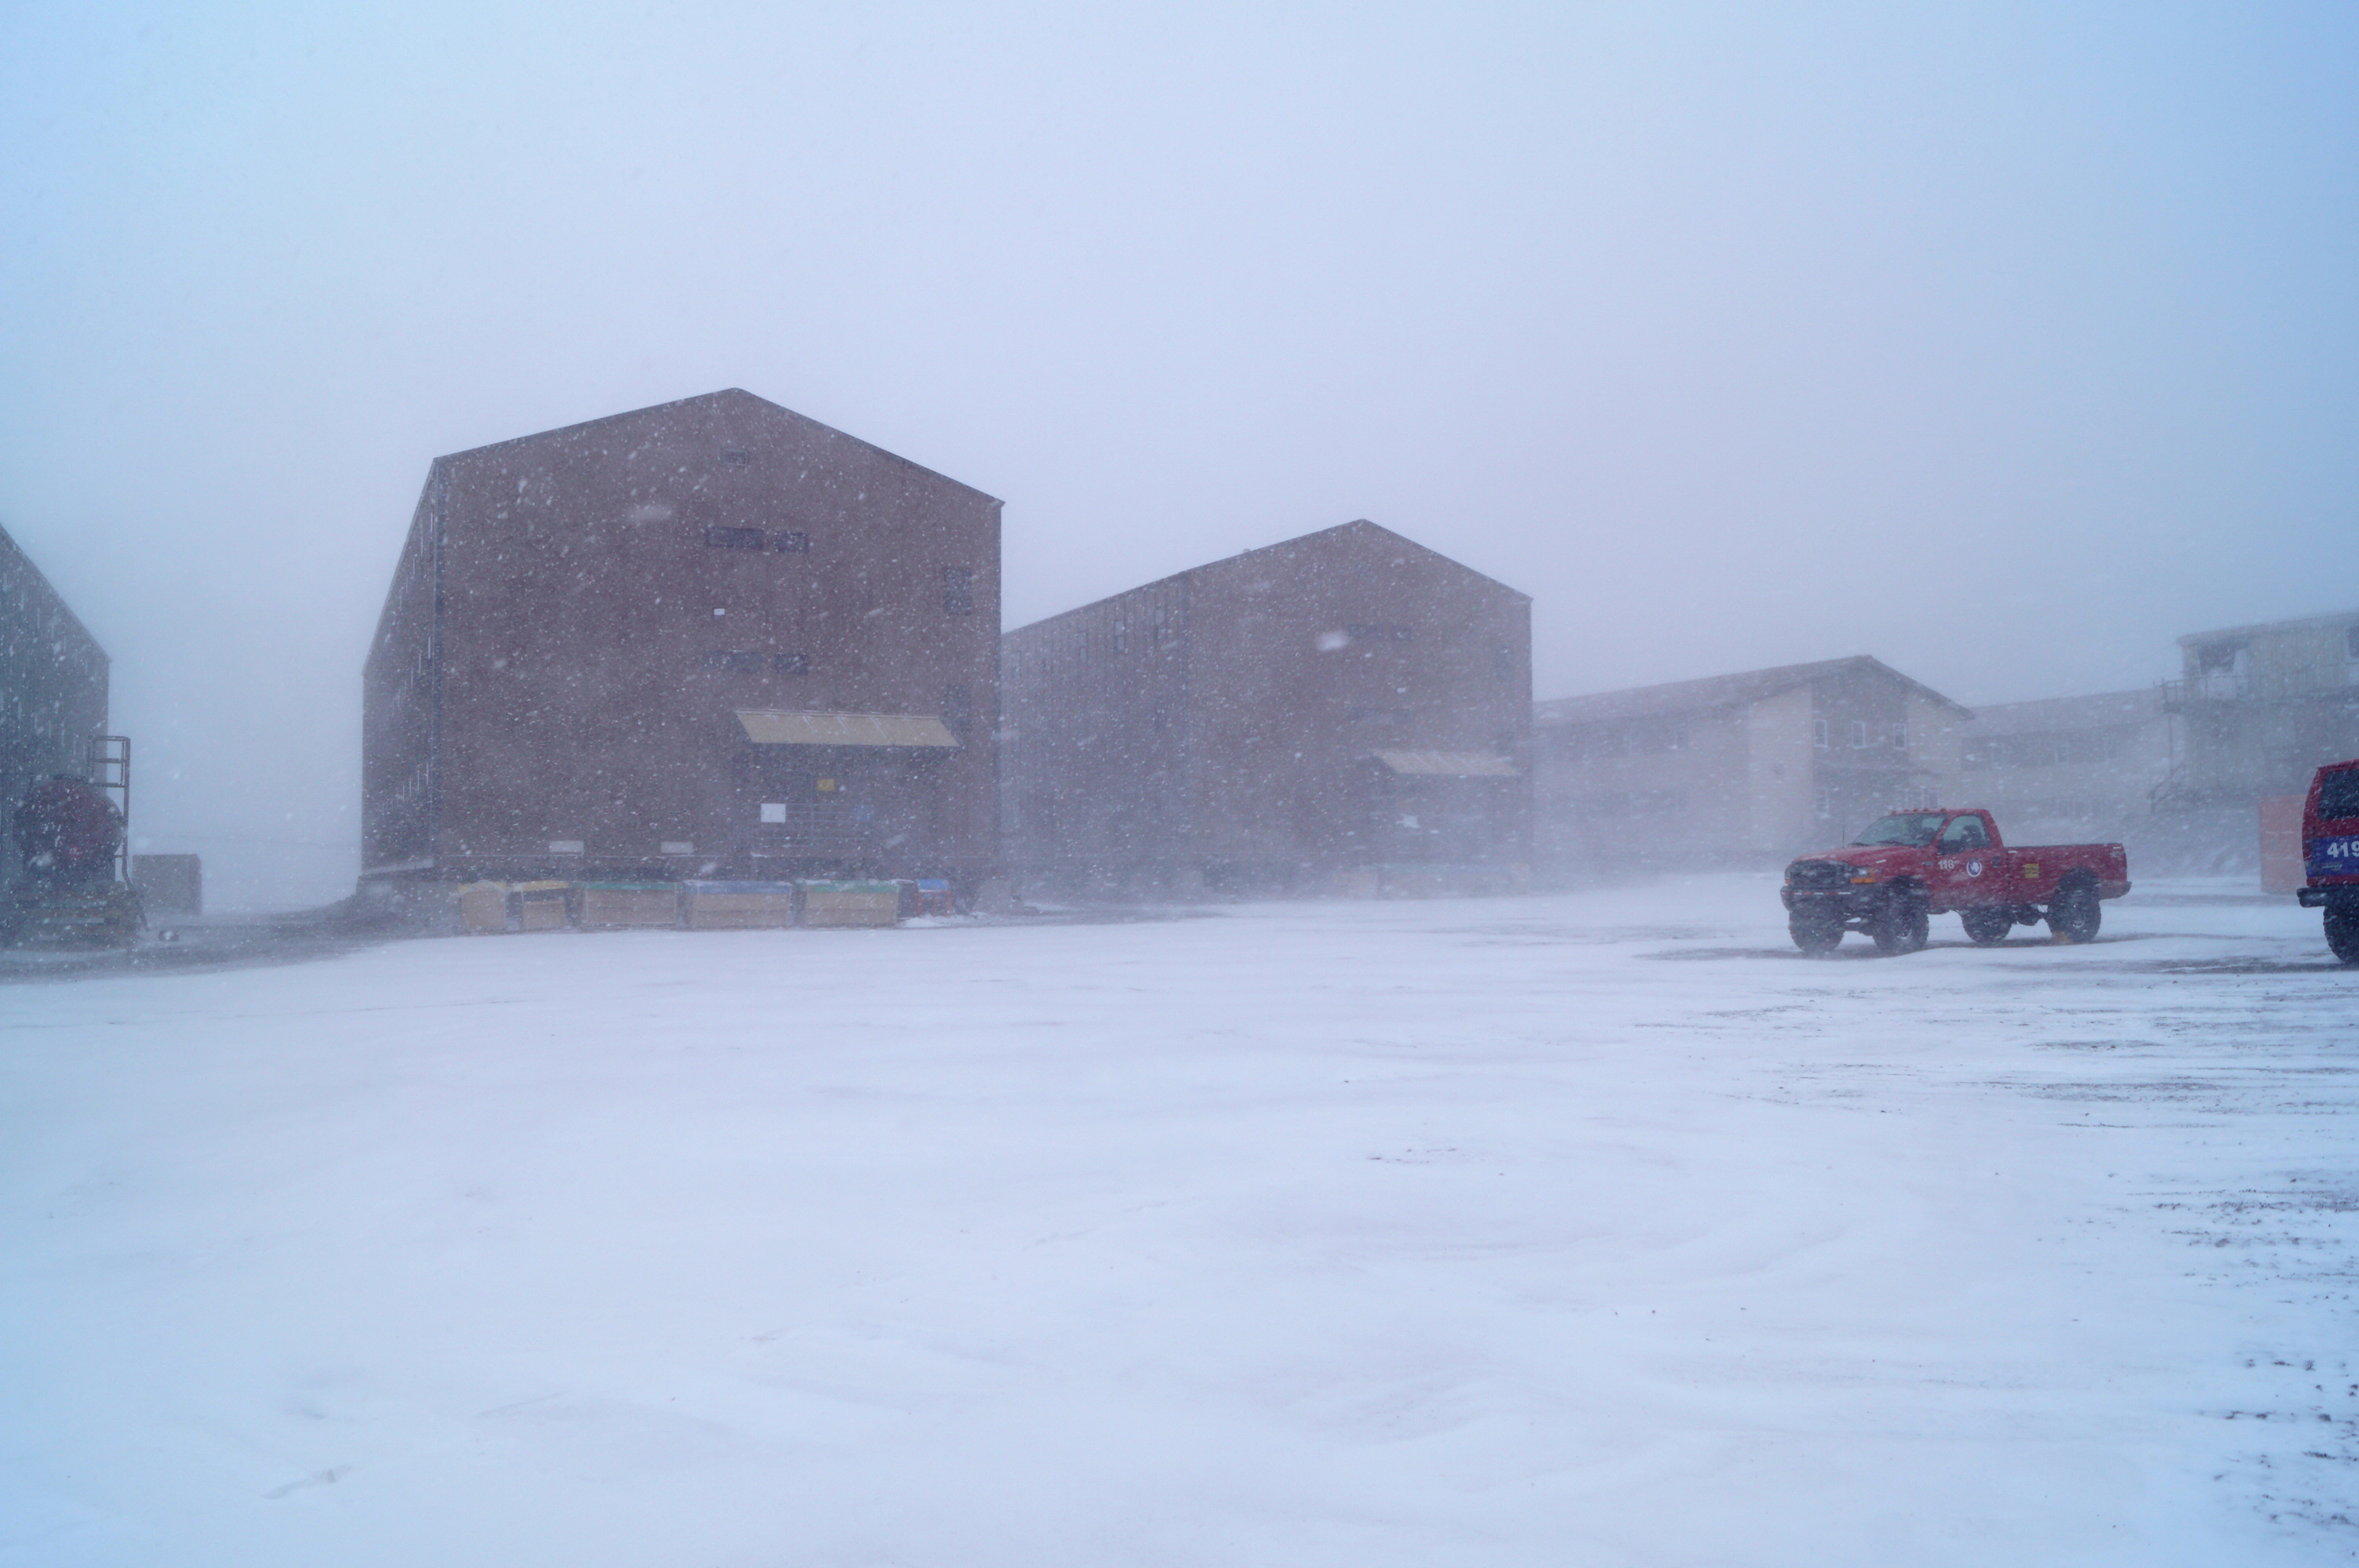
(2074, 914)
(1815, 935)
(1985, 926)
(2342, 932)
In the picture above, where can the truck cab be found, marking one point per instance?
(2330, 854)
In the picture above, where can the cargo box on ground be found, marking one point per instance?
(737, 906)
(925, 895)
(483, 907)
(540, 906)
(615, 905)
(852, 903)
(515, 906)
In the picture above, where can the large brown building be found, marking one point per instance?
(54, 677)
(1738, 770)
(709, 638)
(1347, 711)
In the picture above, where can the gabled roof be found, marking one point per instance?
(1740, 690)
(2306, 624)
(2099, 711)
(1358, 531)
(726, 394)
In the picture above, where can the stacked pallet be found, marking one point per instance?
(490, 907)
(71, 919)
(515, 906)
(852, 903)
(618, 906)
(737, 906)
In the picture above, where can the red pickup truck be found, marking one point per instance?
(1912, 865)
(2329, 852)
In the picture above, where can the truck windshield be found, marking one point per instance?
(2338, 793)
(1914, 828)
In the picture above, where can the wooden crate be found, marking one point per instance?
(852, 903)
(737, 906)
(540, 906)
(617, 905)
(515, 906)
(483, 907)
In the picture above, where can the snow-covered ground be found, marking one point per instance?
(1594, 1229)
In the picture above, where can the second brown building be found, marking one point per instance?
(1347, 711)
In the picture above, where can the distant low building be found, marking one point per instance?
(1738, 770)
(1347, 711)
(53, 680)
(2070, 769)
(2263, 706)
(709, 638)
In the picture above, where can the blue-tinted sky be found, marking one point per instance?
(2007, 342)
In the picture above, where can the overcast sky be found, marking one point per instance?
(2005, 343)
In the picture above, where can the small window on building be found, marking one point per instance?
(734, 660)
(1819, 733)
(676, 846)
(958, 709)
(958, 590)
(1859, 734)
(793, 542)
(718, 538)
(1824, 802)
(1900, 736)
(736, 458)
(774, 811)
(790, 664)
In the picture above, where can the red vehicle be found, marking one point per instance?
(2329, 853)
(1908, 867)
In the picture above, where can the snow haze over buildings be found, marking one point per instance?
(2007, 345)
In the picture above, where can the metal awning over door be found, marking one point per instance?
(1448, 764)
(772, 726)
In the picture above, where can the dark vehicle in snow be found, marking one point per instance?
(69, 832)
(1912, 865)
(2330, 854)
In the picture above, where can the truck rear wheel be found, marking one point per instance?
(2074, 914)
(1815, 935)
(1985, 926)
(2342, 933)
